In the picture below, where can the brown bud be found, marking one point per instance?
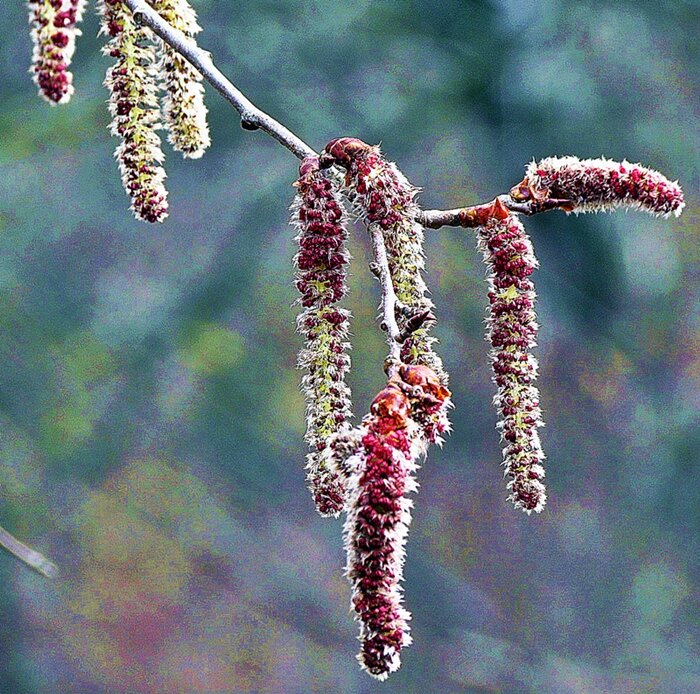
(342, 150)
(425, 378)
(392, 404)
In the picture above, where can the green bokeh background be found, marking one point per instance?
(151, 428)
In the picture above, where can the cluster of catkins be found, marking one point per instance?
(367, 471)
(143, 69)
(589, 185)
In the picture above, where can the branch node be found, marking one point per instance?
(416, 322)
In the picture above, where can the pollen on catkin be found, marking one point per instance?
(600, 185)
(321, 262)
(512, 329)
(382, 196)
(133, 104)
(404, 417)
(183, 102)
(53, 30)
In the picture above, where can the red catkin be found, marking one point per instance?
(512, 330)
(599, 185)
(404, 418)
(318, 215)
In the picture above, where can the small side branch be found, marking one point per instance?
(478, 215)
(381, 269)
(33, 559)
(252, 118)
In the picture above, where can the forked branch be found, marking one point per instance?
(253, 118)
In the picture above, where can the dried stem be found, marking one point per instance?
(33, 559)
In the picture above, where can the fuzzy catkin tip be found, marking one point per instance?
(183, 103)
(599, 185)
(321, 222)
(406, 415)
(54, 30)
(133, 104)
(383, 197)
(512, 330)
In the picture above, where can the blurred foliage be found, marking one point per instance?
(150, 421)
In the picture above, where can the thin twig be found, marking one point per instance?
(33, 559)
(381, 269)
(252, 118)
(477, 215)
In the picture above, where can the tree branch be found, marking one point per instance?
(252, 118)
(520, 199)
(33, 559)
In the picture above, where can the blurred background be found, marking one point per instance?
(151, 428)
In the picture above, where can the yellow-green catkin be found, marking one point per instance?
(183, 102)
(133, 104)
